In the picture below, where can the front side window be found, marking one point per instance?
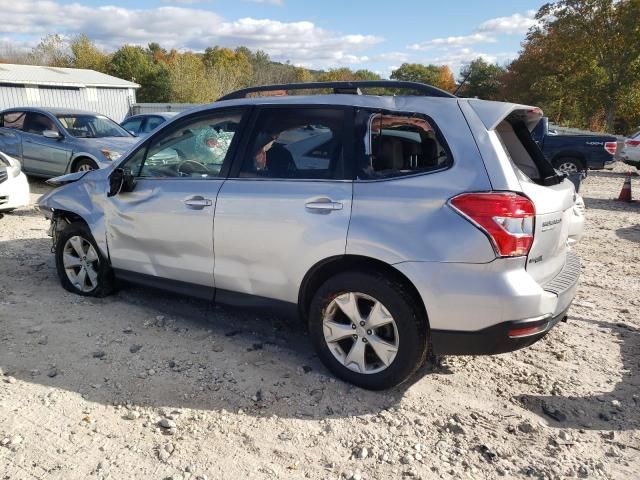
(296, 143)
(91, 126)
(14, 120)
(37, 123)
(197, 148)
(401, 145)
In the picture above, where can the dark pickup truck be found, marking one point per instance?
(574, 153)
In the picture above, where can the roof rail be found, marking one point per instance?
(343, 87)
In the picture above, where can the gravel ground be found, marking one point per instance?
(149, 385)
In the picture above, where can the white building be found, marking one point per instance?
(34, 86)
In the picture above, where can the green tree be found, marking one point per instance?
(134, 63)
(416, 72)
(483, 80)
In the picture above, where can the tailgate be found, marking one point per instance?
(554, 209)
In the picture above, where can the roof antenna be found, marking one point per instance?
(464, 80)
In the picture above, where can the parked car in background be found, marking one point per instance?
(145, 123)
(50, 142)
(397, 226)
(574, 153)
(630, 153)
(14, 188)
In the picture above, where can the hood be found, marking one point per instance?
(117, 144)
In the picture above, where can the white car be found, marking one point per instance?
(631, 151)
(14, 188)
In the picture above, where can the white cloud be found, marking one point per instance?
(456, 58)
(186, 28)
(516, 23)
(454, 41)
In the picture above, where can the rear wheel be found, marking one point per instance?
(368, 330)
(81, 267)
(85, 165)
(568, 165)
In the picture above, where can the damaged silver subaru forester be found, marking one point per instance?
(398, 225)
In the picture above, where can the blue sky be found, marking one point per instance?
(378, 35)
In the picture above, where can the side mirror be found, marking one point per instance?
(132, 133)
(121, 180)
(53, 134)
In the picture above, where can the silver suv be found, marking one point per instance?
(399, 226)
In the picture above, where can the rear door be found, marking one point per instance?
(163, 229)
(287, 203)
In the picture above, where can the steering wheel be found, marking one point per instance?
(187, 168)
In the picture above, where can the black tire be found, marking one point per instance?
(568, 164)
(85, 163)
(105, 280)
(412, 327)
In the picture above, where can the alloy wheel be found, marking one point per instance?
(568, 167)
(85, 167)
(81, 263)
(360, 332)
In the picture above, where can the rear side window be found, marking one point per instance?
(402, 145)
(13, 120)
(296, 143)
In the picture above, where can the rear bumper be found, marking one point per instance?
(474, 309)
(493, 340)
(633, 163)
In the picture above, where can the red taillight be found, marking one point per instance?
(633, 143)
(506, 217)
(526, 331)
(611, 147)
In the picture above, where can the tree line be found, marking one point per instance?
(580, 64)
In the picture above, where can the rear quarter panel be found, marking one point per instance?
(408, 218)
(11, 142)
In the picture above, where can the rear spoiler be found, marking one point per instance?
(492, 113)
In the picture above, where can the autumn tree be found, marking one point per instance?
(437, 75)
(582, 62)
(52, 51)
(85, 54)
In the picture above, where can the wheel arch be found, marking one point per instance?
(325, 269)
(81, 156)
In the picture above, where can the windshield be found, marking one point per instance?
(92, 126)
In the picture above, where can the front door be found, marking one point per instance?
(163, 229)
(42, 155)
(288, 202)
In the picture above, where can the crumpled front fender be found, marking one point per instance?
(83, 197)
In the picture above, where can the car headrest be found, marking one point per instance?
(279, 161)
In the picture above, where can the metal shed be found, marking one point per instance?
(36, 86)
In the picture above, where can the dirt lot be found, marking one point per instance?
(85, 384)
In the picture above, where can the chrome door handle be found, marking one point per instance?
(324, 205)
(198, 202)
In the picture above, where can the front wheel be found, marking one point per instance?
(81, 267)
(85, 165)
(368, 330)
